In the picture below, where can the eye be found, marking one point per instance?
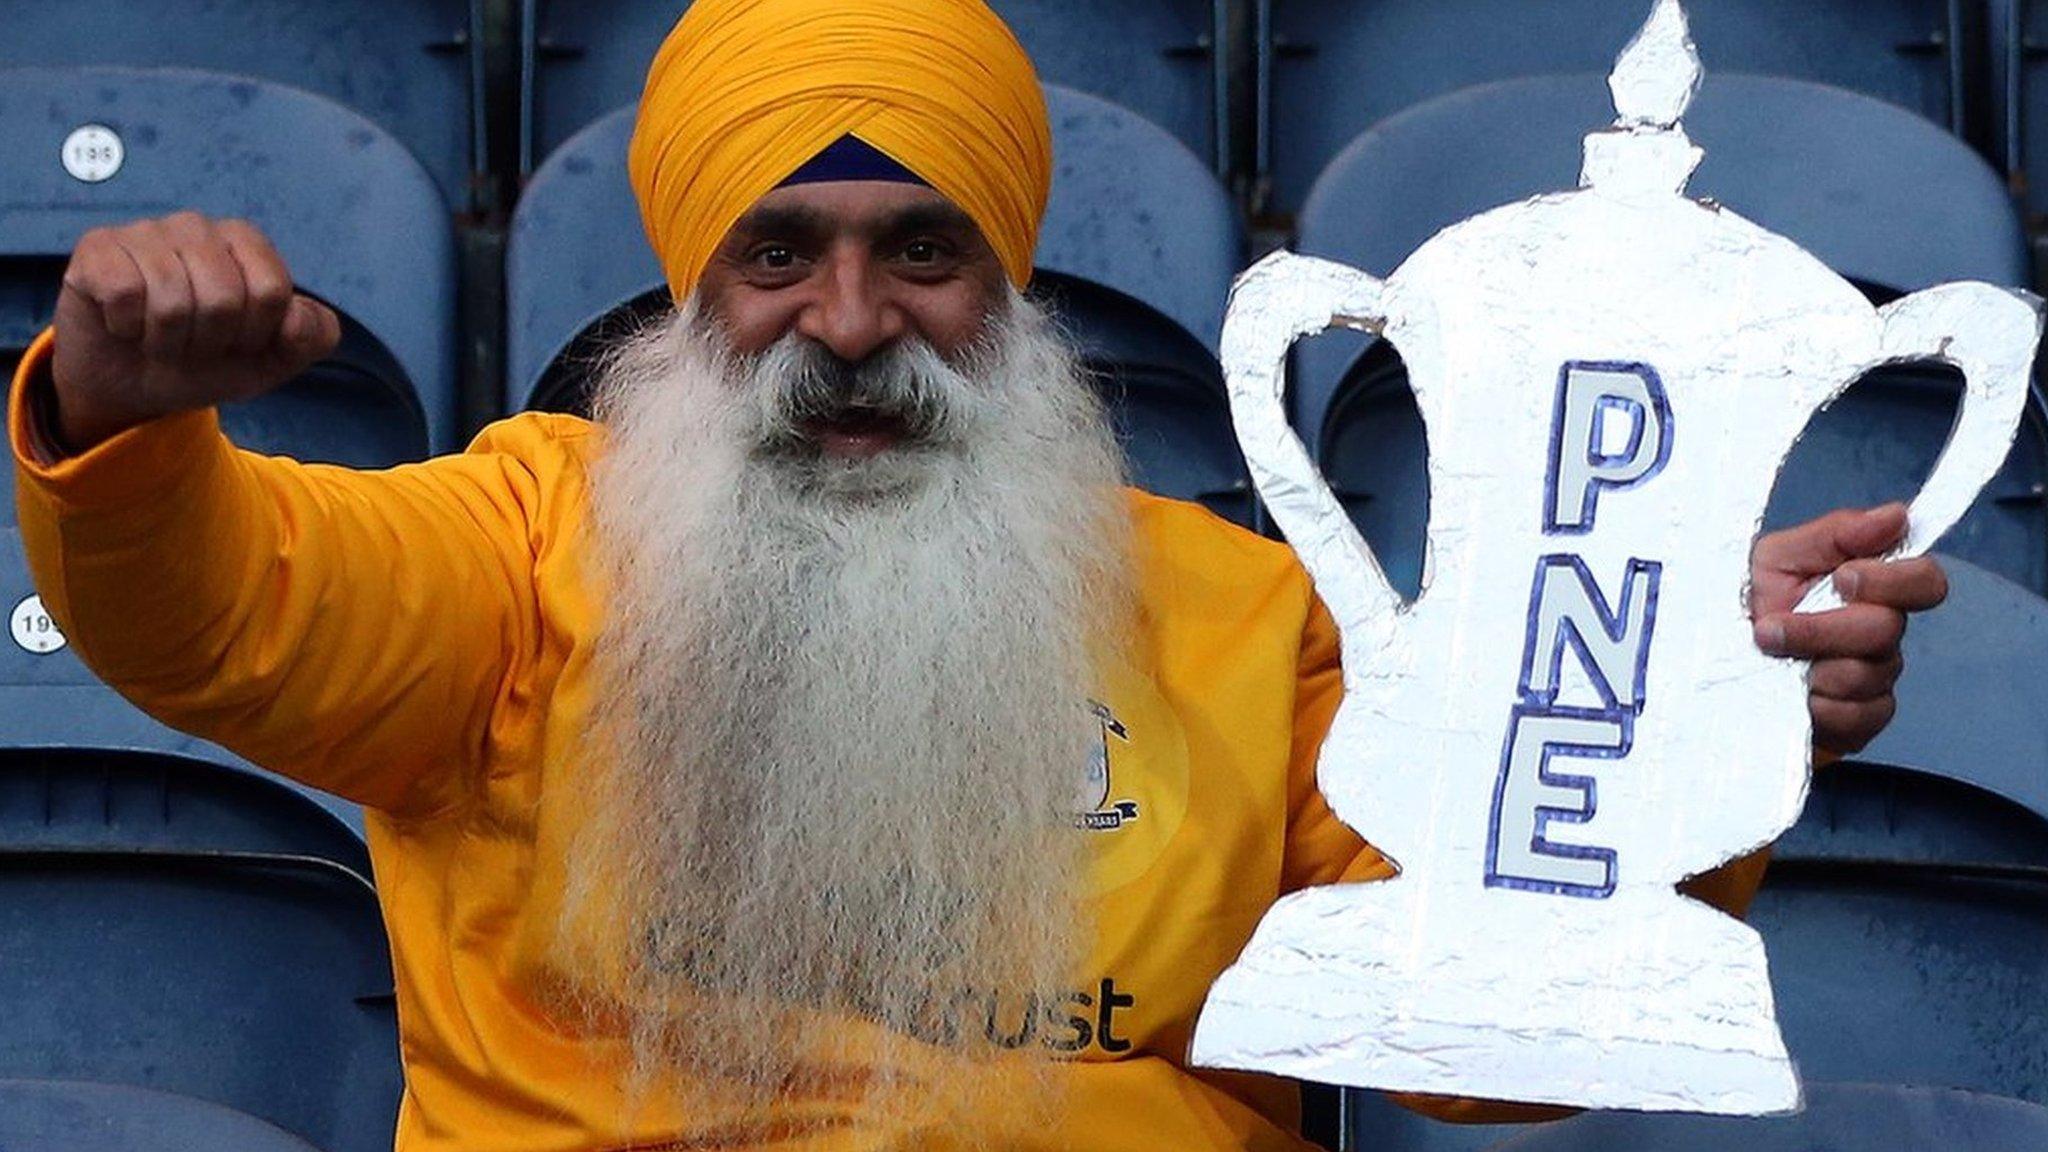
(922, 252)
(772, 256)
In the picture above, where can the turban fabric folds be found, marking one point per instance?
(743, 93)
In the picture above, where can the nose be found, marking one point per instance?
(852, 313)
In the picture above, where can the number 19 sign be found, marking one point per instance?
(1572, 717)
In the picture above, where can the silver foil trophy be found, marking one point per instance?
(1572, 717)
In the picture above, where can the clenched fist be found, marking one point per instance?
(161, 316)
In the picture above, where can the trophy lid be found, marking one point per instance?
(1653, 82)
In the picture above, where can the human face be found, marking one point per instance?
(853, 265)
(856, 266)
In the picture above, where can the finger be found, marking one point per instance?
(269, 285)
(167, 315)
(1863, 631)
(103, 274)
(1818, 547)
(1846, 726)
(1909, 585)
(219, 292)
(1852, 680)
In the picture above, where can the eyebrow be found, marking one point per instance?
(802, 222)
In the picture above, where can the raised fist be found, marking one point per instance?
(183, 312)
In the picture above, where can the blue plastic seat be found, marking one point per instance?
(1969, 706)
(1838, 1118)
(356, 218)
(193, 929)
(1906, 915)
(1135, 257)
(81, 1116)
(1339, 68)
(412, 67)
(354, 215)
(1886, 198)
(1910, 972)
(584, 59)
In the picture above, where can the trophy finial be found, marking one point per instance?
(1655, 77)
(1653, 83)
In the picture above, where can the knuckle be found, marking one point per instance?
(215, 308)
(268, 291)
(168, 309)
(126, 293)
(1891, 630)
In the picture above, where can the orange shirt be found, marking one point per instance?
(419, 640)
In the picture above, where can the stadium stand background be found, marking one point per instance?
(193, 957)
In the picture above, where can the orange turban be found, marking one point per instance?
(744, 92)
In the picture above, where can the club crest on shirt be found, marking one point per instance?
(1096, 811)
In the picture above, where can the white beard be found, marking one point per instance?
(848, 710)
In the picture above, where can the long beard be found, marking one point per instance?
(847, 718)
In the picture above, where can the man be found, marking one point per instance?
(728, 759)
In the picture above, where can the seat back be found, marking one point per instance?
(83, 1116)
(574, 255)
(355, 217)
(358, 221)
(1906, 915)
(1863, 1117)
(1339, 68)
(193, 929)
(1135, 258)
(411, 67)
(1909, 972)
(1969, 706)
(124, 800)
(585, 58)
(1887, 199)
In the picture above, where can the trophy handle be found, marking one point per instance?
(1275, 302)
(1989, 333)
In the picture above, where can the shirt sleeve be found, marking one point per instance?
(349, 629)
(1321, 849)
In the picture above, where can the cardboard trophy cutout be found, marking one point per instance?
(1573, 716)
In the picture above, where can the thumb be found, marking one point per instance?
(309, 332)
(1871, 532)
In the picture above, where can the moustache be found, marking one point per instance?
(905, 391)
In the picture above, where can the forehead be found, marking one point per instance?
(862, 206)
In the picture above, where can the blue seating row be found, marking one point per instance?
(1267, 91)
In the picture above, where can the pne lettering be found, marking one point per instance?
(1574, 622)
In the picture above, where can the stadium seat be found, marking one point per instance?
(1969, 705)
(412, 67)
(1339, 68)
(1912, 972)
(1136, 272)
(354, 215)
(583, 59)
(352, 212)
(1838, 1118)
(1906, 914)
(80, 1116)
(1887, 199)
(191, 929)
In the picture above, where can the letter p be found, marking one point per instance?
(1589, 451)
